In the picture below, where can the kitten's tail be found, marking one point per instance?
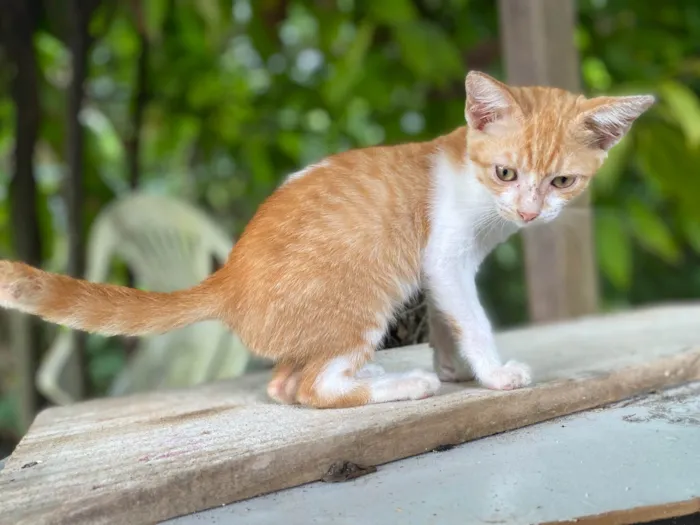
(102, 308)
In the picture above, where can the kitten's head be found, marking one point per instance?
(536, 148)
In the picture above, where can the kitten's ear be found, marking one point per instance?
(488, 100)
(607, 119)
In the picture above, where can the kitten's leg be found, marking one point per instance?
(342, 382)
(453, 290)
(449, 365)
(284, 384)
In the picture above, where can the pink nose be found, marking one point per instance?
(527, 216)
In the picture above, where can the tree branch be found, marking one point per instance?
(18, 26)
(79, 44)
(139, 99)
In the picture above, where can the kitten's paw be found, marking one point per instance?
(423, 384)
(404, 386)
(370, 370)
(284, 389)
(510, 376)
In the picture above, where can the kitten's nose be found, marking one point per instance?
(527, 216)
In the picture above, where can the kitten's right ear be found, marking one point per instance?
(488, 101)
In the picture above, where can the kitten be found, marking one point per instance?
(315, 278)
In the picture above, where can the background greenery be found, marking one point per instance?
(217, 100)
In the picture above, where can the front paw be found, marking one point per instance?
(426, 384)
(510, 376)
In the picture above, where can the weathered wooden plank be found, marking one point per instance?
(146, 458)
(589, 461)
(538, 46)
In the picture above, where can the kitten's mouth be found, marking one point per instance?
(509, 216)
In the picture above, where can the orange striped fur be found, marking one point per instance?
(318, 273)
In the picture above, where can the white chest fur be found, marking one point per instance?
(465, 225)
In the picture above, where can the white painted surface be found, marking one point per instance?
(637, 453)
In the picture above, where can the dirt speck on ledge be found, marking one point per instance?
(345, 471)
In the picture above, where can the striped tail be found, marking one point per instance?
(102, 308)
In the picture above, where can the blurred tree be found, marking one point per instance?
(19, 23)
(139, 97)
(79, 42)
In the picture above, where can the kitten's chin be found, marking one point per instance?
(545, 218)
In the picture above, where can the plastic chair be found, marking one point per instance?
(168, 245)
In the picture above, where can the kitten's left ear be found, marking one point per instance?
(607, 119)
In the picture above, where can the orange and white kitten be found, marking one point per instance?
(318, 273)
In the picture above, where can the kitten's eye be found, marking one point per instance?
(506, 174)
(563, 182)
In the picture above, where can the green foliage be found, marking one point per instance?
(684, 108)
(646, 194)
(614, 249)
(9, 419)
(106, 358)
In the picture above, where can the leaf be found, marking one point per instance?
(596, 74)
(289, 143)
(614, 250)
(209, 11)
(668, 165)
(106, 360)
(154, 12)
(214, 17)
(258, 159)
(651, 232)
(4, 230)
(349, 70)
(428, 52)
(9, 417)
(111, 147)
(684, 106)
(658, 150)
(691, 229)
(393, 13)
(53, 57)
